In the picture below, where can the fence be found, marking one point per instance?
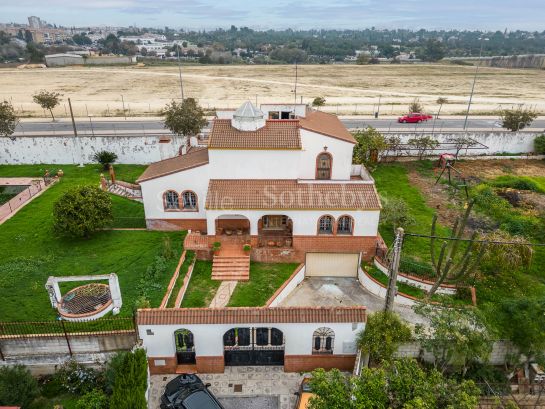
(30, 338)
(503, 396)
(15, 203)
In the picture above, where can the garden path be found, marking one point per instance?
(223, 295)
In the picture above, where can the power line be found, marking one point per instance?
(474, 241)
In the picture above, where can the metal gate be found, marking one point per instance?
(253, 346)
(185, 347)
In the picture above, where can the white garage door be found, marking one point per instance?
(331, 265)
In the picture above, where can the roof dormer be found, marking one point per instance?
(248, 118)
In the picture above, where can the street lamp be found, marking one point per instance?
(474, 81)
(91, 122)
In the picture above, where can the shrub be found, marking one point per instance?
(517, 119)
(76, 378)
(105, 158)
(318, 102)
(370, 144)
(382, 336)
(17, 386)
(395, 213)
(423, 144)
(167, 251)
(130, 381)
(95, 399)
(539, 144)
(82, 211)
(416, 106)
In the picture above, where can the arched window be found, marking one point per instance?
(171, 200)
(345, 225)
(325, 225)
(189, 199)
(323, 166)
(323, 341)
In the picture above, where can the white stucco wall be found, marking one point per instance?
(195, 179)
(305, 222)
(313, 144)
(253, 164)
(68, 150)
(209, 338)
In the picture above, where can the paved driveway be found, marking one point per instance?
(243, 387)
(342, 291)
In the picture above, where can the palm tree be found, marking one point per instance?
(440, 101)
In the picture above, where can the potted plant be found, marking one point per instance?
(216, 246)
(247, 248)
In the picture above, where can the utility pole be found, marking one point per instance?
(474, 81)
(75, 132)
(393, 269)
(295, 88)
(180, 71)
(123, 102)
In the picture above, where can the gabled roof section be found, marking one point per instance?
(283, 134)
(288, 194)
(251, 315)
(196, 156)
(326, 124)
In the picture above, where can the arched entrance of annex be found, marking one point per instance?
(232, 225)
(253, 346)
(275, 230)
(185, 347)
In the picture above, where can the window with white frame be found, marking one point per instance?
(171, 200)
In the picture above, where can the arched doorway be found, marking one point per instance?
(275, 231)
(185, 347)
(232, 225)
(253, 346)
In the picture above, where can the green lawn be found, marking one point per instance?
(31, 251)
(189, 257)
(265, 279)
(202, 288)
(392, 181)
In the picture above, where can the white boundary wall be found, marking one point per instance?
(141, 149)
(380, 291)
(294, 282)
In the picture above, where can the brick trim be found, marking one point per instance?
(307, 363)
(210, 364)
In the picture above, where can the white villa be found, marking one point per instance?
(279, 180)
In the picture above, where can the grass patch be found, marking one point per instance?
(127, 213)
(189, 257)
(31, 252)
(535, 184)
(265, 279)
(402, 287)
(392, 181)
(202, 288)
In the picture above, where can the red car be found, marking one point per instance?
(413, 118)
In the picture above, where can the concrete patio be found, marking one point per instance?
(242, 387)
(342, 291)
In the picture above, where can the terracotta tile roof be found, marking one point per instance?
(274, 135)
(326, 124)
(194, 157)
(250, 315)
(249, 194)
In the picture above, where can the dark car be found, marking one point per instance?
(415, 117)
(187, 391)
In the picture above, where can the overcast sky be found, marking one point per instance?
(302, 14)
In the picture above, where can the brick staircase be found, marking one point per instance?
(231, 268)
(231, 264)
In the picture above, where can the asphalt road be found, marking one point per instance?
(155, 127)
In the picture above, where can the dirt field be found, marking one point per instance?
(348, 89)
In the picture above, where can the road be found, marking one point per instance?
(105, 126)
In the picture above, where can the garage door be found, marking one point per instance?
(331, 265)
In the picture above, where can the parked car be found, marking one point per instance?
(413, 118)
(187, 391)
(304, 394)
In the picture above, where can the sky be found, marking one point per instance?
(279, 14)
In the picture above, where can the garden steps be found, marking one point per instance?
(231, 268)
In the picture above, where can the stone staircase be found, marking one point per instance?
(122, 189)
(231, 268)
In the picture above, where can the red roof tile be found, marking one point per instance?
(274, 135)
(250, 315)
(197, 156)
(326, 124)
(249, 194)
